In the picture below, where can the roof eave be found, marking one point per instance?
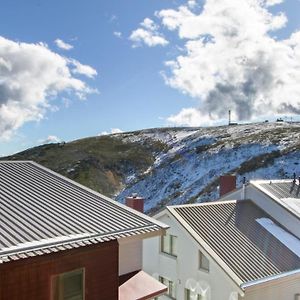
(273, 279)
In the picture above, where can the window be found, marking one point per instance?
(169, 244)
(189, 295)
(171, 287)
(203, 262)
(69, 286)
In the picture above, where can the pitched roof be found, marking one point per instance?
(285, 192)
(232, 233)
(42, 211)
(141, 287)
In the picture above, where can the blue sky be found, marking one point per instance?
(132, 91)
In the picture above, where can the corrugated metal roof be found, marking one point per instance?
(37, 204)
(284, 192)
(282, 189)
(231, 231)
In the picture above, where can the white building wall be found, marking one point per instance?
(130, 256)
(184, 270)
(262, 200)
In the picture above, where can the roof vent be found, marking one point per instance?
(294, 176)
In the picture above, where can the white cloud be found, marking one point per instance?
(63, 45)
(273, 2)
(149, 24)
(82, 69)
(231, 60)
(30, 76)
(118, 34)
(193, 117)
(116, 130)
(192, 4)
(50, 139)
(148, 34)
(112, 131)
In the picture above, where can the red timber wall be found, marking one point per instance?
(30, 278)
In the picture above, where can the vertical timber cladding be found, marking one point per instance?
(31, 278)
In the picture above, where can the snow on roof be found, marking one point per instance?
(285, 192)
(286, 238)
(45, 242)
(292, 203)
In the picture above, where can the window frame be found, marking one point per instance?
(201, 266)
(171, 238)
(169, 283)
(187, 295)
(57, 283)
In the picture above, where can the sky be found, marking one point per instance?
(71, 69)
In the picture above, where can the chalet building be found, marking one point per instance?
(244, 246)
(62, 241)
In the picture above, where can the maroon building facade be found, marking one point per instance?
(35, 278)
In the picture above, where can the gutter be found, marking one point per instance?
(79, 238)
(270, 279)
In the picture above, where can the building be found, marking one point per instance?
(245, 246)
(62, 241)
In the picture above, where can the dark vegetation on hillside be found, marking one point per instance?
(101, 163)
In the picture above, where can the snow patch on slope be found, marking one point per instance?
(188, 168)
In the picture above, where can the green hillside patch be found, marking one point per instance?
(101, 163)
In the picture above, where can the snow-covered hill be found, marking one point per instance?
(174, 165)
(188, 168)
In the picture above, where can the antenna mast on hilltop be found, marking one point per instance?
(229, 117)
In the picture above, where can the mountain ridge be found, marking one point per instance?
(174, 165)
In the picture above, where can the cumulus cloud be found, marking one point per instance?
(82, 69)
(193, 117)
(31, 75)
(112, 131)
(50, 139)
(148, 34)
(231, 60)
(63, 45)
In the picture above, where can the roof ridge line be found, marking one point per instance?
(204, 203)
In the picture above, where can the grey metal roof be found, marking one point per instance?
(285, 192)
(282, 189)
(43, 212)
(231, 231)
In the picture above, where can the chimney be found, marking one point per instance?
(135, 202)
(227, 184)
